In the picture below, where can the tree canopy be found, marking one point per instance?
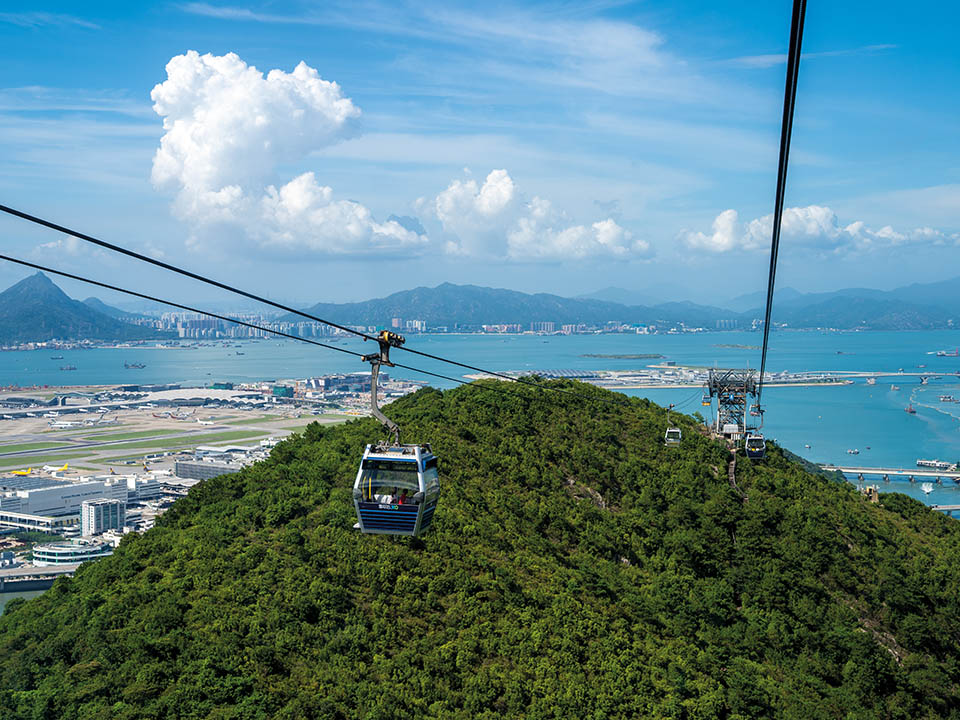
(576, 568)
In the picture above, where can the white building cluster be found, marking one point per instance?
(59, 506)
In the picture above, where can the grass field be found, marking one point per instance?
(32, 446)
(192, 440)
(36, 462)
(99, 437)
(254, 421)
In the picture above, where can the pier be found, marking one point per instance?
(859, 473)
(32, 578)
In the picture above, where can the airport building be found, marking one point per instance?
(61, 498)
(98, 516)
(204, 469)
(70, 553)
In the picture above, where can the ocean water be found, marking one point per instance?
(829, 419)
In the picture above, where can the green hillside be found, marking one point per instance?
(36, 310)
(576, 568)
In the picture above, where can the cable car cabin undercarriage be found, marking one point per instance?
(397, 486)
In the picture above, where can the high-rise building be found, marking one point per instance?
(98, 516)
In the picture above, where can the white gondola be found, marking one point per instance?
(755, 446)
(672, 437)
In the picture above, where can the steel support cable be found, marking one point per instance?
(223, 286)
(280, 333)
(786, 129)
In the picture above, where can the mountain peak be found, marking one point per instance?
(36, 310)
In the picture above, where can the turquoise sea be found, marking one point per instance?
(829, 419)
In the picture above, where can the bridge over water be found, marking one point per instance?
(860, 473)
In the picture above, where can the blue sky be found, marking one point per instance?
(541, 147)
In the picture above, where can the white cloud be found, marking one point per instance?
(493, 220)
(45, 19)
(766, 61)
(227, 128)
(814, 227)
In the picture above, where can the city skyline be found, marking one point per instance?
(538, 148)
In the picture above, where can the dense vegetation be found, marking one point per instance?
(576, 569)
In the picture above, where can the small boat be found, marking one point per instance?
(868, 447)
(927, 488)
(68, 367)
(56, 357)
(894, 387)
(909, 409)
(239, 353)
(134, 366)
(854, 451)
(807, 447)
(947, 398)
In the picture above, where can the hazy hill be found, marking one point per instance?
(114, 312)
(924, 297)
(576, 568)
(868, 313)
(35, 310)
(621, 296)
(449, 304)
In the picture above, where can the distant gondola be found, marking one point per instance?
(755, 446)
(672, 436)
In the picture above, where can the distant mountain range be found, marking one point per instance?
(917, 307)
(943, 295)
(36, 310)
(471, 305)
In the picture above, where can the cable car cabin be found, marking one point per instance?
(672, 436)
(706, 401)
(396, 489)
(755, 447)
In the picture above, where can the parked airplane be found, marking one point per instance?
(23, 472)
(205, 422)
(51, 414)
(52, 468)
(64, 424)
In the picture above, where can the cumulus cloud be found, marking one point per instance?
(227, 128)
(494, 220)
(814, 227)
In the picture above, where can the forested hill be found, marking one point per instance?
(576, 568)
(451, 305)
(36, 310)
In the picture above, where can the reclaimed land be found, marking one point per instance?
(576, 568)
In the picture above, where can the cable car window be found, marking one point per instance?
(386, 480)
(431, 479)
